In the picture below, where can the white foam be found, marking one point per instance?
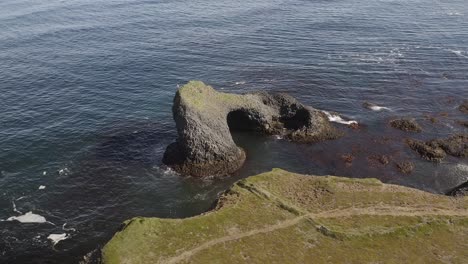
(278, 137)
(21, 198)
(44, 173)
(14, 208)
(42, 187)
(55, 238)
(68, 229)
(28, 217)
(338, 119)
(379, 108)
(63, 171)
(375, 107)
(239, 83)
(462, 167)
(166, 171)
(200, 196)
(458, 53)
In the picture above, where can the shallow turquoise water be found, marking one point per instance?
(86, 91)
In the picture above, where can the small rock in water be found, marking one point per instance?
(354, 126)
(405, 167)
(348, 159)
(378, 159)
(55, 238)
(407, 125)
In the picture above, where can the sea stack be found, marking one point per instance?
(205, 118)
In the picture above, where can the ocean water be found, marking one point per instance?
(86, 91)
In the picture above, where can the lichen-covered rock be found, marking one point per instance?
(437, 149)
(407, 125)
(204, 118)
(281, 217)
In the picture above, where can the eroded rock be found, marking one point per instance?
(205, 117)
(407, 125)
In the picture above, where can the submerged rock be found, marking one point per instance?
(464, 107)
(405, 167)
(462, 123)
(205, 117)
(437, 149)
(281, 217)
(407, 125)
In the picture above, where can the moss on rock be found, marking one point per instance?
(282, 217)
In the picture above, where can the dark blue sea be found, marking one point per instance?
(86, 89)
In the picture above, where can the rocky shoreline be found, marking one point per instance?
(310, 218)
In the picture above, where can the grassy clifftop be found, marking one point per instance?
(282, 217)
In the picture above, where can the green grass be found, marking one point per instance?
(281, 217)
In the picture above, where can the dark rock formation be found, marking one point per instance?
(456, 146)
(205, 117)
(464, 107)
(437, 149)
(407, 125)
(427, 151)
(460, 190)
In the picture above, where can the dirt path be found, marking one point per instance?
(381, 211)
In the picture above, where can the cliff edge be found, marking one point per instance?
(282, 217)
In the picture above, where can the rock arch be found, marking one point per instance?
(204, 120)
